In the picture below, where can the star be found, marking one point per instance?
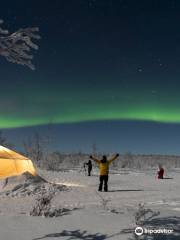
(159, 62)
(139, 70)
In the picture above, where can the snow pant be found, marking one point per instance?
(89, 171)
(103, 179)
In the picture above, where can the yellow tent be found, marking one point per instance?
(13, 164)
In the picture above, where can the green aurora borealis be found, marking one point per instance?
(159, 116)
(42, 104)
(98, 60)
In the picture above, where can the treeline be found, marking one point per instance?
(60, 161)
(37, 149)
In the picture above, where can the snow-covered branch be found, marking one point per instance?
(16, 47)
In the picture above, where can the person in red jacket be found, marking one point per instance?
(160, 173)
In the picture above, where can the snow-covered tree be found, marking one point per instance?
(16, 47)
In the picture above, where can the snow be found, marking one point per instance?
(90, 214)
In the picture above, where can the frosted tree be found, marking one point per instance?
(16, 47)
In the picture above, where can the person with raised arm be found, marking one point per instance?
(104, 170)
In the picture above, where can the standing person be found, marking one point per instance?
(89, 164)
(104, 170)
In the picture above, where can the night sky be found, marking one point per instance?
(107, 72)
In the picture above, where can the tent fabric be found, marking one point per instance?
(14, 164)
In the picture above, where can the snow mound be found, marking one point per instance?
(27, 185)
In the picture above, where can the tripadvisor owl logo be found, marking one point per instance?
(139, 231)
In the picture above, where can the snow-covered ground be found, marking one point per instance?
(91, 215)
